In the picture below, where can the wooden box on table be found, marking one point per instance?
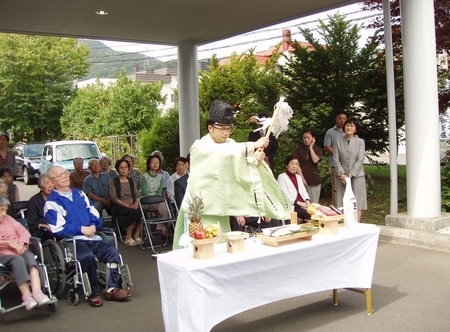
(235, 241)
(204, 249)
(328, 225)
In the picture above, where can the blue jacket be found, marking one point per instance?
(66, 217)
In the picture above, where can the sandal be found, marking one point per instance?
(116, 294)
(131, 243)
(138, 240)
(95, 300)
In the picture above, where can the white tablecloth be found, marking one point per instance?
(198, 294)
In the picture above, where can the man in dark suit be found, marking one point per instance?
(180, 185)
(271, 149)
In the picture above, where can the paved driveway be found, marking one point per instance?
(411, 287)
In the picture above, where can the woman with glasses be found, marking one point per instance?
(291, 183)
(309, 156)
(125, 203)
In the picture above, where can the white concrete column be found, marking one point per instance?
(421, 109)
(390, 83)
(189, 117)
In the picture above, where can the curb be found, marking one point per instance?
(415, 238)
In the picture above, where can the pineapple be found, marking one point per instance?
(194, 210)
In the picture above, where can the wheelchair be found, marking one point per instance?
(64, 269)
(7, 277)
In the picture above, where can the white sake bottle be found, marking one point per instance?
(350, 207)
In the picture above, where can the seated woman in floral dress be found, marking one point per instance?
(152, 184)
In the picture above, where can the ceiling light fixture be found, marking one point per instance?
(101, 13)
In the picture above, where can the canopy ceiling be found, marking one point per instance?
(153, 21)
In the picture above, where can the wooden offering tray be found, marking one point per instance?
(328, 225)
(276, 241)
(204, 249)
(235, 241)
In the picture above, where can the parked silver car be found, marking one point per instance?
(62, 153)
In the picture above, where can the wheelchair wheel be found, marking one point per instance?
(56, 269)
(73, 297)
(52, 306)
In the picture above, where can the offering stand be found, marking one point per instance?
(235, 241)
(328, 225)
(204, 249)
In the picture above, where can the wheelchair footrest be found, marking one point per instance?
(125, 275)
(86, 285)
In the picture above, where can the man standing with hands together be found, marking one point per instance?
(330, 137)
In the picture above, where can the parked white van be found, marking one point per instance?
(62, 153)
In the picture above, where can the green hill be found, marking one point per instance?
(107, 63)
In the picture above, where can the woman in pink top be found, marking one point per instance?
(14, 254)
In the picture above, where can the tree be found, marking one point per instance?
(133, 106)
(243, 82)
(334, 73)
(36, 75)
(442, 28)
(124, 108)
(163, 136)
(80, 119)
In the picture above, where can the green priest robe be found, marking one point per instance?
(230, 183)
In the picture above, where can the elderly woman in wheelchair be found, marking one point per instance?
(15, 256)
(76, 222)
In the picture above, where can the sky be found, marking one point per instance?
(260, 39)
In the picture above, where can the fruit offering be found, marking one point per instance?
(200, 235)
(212, 230)
(316, 208)
(194, 211)
(311, 209)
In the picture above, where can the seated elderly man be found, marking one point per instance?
(96, 187)
(69, 212)
(14, 254)
(37, 224)
(78, 175)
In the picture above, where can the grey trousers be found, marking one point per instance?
(314, 193)
(19, 265)
(334, 183)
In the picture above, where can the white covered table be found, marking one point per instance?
(198, 294)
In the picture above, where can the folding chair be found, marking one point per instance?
(173, 210)
(114, 222)
(148, 220)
